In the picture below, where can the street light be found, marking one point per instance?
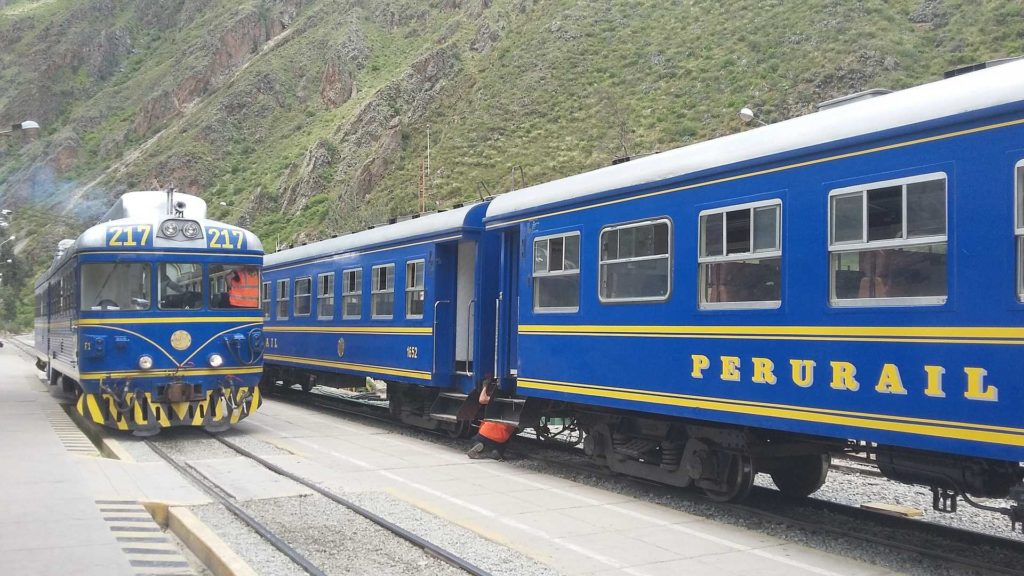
(6, 241)
(747, 116)
(26, 125)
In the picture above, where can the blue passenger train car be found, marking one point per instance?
(152, 317)
(849, 280)
(401, 303)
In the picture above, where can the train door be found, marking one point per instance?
(507, 311)
(444, 313)
(465, 307)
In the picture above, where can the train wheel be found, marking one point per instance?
(738, 479)
(801, 476)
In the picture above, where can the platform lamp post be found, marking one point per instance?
(747, 116)
(26, 125)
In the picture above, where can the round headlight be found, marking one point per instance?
(216, 360)
(191, 230)
(145, 362)
(169, 228)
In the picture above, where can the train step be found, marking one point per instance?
(447, 405)
(505, 410)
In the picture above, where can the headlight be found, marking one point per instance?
(216, 360)
(145, 362)
(191, 230)
(169, 228)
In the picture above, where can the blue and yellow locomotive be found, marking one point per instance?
(152, 317)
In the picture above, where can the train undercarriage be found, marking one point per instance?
(719, 460)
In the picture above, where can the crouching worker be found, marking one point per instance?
(492, 437)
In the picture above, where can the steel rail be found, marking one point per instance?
(346, 406)
(950, 533)
(426, 545)
(749, 507)
(275, 540)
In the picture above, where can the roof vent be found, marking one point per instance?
(851, 98)
(978, 66)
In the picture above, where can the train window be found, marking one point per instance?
(282, 300)
(113, 286)
(352, 294)
(234, 286)
(325, 296)
(635, 262)
(888, 243)
(382, 292)
(740, 262)
(265, 300)
(181, 286)
(414, 292)
(556, 273)
(303, 298)
(1019, 228)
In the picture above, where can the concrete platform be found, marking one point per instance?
(573, 528)
(63, 509)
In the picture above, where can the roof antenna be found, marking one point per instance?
(522, 176)
(170, 200)
(482, 185)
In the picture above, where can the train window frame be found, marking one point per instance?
(904, 240)
(420, 288)
(145, 270)
(1018, 224)
(201, 283)
(265, 299)
(752, 252)
(347, 294)
(668, 256)
(376, 292)
(536, 275)
(281, 309)
(307, 296)
(325, 296)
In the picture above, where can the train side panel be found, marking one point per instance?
(940, 373)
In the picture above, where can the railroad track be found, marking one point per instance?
(279, 543)
(265, 532)
(414, 539)
(948, 545)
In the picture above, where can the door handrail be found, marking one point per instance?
(433, 338)
(497, 331)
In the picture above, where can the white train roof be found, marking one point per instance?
(147, 207)
(1003, 84)
(144, 204)
(457, 219)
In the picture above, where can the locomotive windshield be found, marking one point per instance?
(234, 286)
(181, 286)
(115, 286)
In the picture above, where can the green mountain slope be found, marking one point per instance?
(307, 118)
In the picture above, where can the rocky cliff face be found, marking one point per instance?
(309, 117)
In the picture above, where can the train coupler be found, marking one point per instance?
(944, 500)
